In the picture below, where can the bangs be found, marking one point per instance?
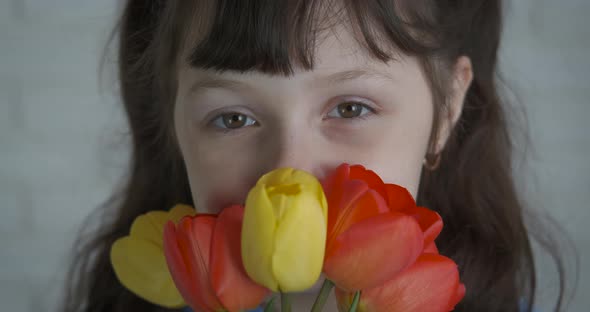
(273, 37)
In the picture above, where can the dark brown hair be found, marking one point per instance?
(473, 189)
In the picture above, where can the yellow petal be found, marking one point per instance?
(258, 232)
(141, 267)
(299, 243)
(305, 181)
(150, 227)
(321, 197)
(276, 177)
(284, 176)
(179, 211)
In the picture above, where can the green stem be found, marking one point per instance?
(355, 301)
(320, 300)
(285, 302)
(269, 305)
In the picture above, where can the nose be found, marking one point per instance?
(292, 149)
(296, 147)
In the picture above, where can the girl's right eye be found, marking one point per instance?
(232, 121)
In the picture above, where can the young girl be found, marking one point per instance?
(219, 92)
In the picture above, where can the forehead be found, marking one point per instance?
(336, 51)
(339, 59)
(256, 42)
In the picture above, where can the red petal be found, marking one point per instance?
(339, 175)
(373, 251)
(399, 198)
(339, 193)
(431, 284)
(340, 198)
(177, 265)
(233, 287)
(459, 294)
(431, 248)
(194, 240)
(430, 222)
(358, 172)
(355, 207)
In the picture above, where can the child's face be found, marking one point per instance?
(236, 127)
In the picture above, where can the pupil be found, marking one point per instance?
(234, 120)
(350, 110)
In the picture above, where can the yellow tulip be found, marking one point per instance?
(284, 230)
(138, 259)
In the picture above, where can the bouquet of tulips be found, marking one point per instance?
(370, 240)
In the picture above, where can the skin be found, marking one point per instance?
(301, 121)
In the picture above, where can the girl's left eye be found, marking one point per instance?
(350, 110)
(233, 121)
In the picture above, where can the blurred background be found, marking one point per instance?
(63, 143)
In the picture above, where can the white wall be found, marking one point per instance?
(60, 134)
(545, 61)
(55, 127)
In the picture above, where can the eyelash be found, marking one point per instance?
(369, 111)
(251, 122)
(364, 107)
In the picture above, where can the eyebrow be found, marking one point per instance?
(348, 75)
(211, 82)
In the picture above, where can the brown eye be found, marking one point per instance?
(233, 121)
(349, 110)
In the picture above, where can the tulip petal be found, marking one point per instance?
(178, 266)
(342, 191)
(340, 198)
(372, 251)
(179, 211)
(316, 188)
(430, 222)
(189, 261)
(150, 226)
(431, 248)
(195, 240)
(368, 205)
(431, 284)
(335, 179)
(141, 267)
(233, 287)
(287, 176)
(399, 198)
(258, 234)
(459, 294)
(350, 204)
(299, 252)
(358, 172)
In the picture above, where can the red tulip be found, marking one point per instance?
(375, 230)
(204, 257)
(430, 284)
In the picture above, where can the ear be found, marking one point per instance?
(462, 75)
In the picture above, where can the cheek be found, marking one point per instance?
(399, 161)
(399, 142)
(218, 178)
(219, 172)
